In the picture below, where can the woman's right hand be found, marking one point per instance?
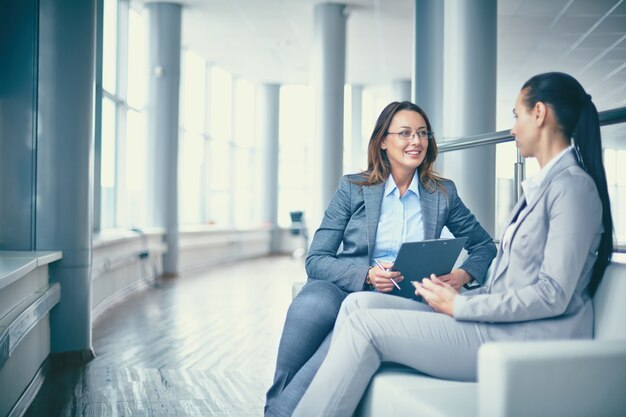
(380, 278)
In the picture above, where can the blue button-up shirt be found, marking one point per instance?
(400, 220)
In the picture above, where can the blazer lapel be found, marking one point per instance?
(373, 198)
(502, 261)
(502, 258)
(566, 161)
(429, 203)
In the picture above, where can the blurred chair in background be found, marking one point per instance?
(298, 228)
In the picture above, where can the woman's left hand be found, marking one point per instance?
(456, 278)
(438, 294)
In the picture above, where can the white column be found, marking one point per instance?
(164, 21)
(428, 64)
(328, 79)
(268, 105)
(470, 101)
(428, 60)
(64, 152)
(402, 90)
(358, 142)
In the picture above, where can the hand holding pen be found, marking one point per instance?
(383, 278)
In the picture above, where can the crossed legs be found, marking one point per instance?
(372, 328)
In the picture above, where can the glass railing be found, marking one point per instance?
(614, 144)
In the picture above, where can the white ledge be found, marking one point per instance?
(15, 264)
(113, 236)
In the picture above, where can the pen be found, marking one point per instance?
(385, 269)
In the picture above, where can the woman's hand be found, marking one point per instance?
(438, 294)
(456, 278)
(380, 278)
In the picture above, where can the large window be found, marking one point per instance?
(108, 135)
(616, 179)
(107, 162)
(295, 135)
(137, 60)
(109, 46)
(219, 161)
(246, 209)
(221, 157)
(135, 170)
(192, 140)
(123, 144)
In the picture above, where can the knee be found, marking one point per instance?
(318, 298)
(322, 294)
(354, 302)
(359, 323)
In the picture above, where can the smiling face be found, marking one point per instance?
(405, 155)
(525, 128)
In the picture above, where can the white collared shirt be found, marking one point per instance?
(531, 187)
(400, 220)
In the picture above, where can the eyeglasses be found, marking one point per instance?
(409, 134)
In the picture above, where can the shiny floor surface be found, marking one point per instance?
(200, 345)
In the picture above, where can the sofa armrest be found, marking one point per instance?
(552, 378)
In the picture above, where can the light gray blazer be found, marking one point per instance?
(537, 288)
(351, 221)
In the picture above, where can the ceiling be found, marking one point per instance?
(270, 41)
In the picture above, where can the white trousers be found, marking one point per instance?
(372, 328)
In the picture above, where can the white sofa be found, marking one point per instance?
(550, 378)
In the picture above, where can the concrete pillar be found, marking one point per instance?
(164, 22)
(358, 142)
(428, 60)
(428, 64)
(268, 105)
(328, 79)
(67, 42)
(470, 80)
(402, 90)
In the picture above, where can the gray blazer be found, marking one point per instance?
(537, 289)
(351, 220)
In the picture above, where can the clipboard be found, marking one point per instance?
(417, 260)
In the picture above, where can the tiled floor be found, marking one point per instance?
(201, 345)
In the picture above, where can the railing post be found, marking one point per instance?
(520, 174)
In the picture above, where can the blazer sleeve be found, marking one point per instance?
(480, 247)
(322, 262)
(574, 230)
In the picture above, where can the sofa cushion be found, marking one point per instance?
(398, 391)
(609, 305)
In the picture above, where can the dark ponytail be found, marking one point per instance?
(587, 142)
(578, 119)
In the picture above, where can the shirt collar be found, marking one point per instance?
(391, 187)
(531, 185)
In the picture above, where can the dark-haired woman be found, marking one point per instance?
(398, 199)
(551, 258)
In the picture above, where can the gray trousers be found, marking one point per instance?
(372, 328)
(303, 345)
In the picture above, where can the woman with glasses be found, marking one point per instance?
(397, 199)
(551, 258)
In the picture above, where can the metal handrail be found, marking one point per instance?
(607, 117)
